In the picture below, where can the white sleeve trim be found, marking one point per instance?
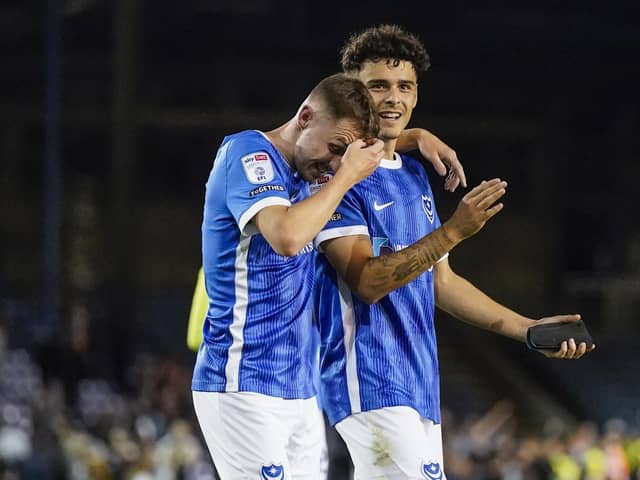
(255, 208)
(331, 233)
(443, 257)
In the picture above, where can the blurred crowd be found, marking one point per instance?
(494, 446)
(71, 426)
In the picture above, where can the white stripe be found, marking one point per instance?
(349, 329)
(232, 370)
(330, 233)
(255, 208)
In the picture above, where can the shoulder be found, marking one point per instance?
(252, 152)
(415, 167)
(246, 142)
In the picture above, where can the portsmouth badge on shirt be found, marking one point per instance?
(258, 167)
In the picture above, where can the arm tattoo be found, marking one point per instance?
(405, 265)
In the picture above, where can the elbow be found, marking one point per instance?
(285, 248)
(369, 296)
(288, 245)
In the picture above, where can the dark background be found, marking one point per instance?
(111, 112)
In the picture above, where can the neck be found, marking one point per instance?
(390, 149)
(284, 139)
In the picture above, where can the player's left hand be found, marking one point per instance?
(568, 349)
(443, 158)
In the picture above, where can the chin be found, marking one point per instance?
(389, 134)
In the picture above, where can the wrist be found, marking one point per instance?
(343, 179)
(526, 324)
(451, 234)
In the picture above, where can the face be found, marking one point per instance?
(321, 143)
(394, 89)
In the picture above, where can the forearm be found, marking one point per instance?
(464, 301)
(304, 220)
(385, 273)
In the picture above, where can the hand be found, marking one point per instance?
(475, 209)
(361, 158)
(442, 157)
(568, 349)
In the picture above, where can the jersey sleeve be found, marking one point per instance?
(347, 220)
(254, 180)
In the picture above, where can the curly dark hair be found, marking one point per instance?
(391, 42)
(346, 97)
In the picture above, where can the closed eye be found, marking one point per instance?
(337, 149)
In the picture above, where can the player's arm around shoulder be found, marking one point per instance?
(439, 154)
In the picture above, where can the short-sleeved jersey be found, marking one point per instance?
(258, 329)
(380, 355)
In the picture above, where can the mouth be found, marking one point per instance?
(387, 115)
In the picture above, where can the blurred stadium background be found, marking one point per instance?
(110, 113)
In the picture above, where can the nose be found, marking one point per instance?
(392, 96)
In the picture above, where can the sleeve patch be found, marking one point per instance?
(266, 188)
(258, 167)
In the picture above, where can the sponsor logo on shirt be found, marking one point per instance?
(266, 188)
(377, 207)
(319, 183)
(272, 472)
(308, 248)
(336, 217)
(257, 167)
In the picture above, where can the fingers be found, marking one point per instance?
(437, 163)
(456, 171)
(478, 189)
(491, 195)
(373, 144)
(569, 350)
(452, 181)
(561, 319)
(494, 210)
(486, 194)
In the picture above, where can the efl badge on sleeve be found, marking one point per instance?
(273, 472)
(427, 206)
(258, 167)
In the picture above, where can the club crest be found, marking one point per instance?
(272, 472)
(427, 206)
(432, 471)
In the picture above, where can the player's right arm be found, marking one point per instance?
(289, 229)
(372, 277)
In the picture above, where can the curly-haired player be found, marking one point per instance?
(383, 267)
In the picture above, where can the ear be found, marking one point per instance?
(305, 115)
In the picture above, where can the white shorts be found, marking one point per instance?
(257, 437)
(393, 443)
